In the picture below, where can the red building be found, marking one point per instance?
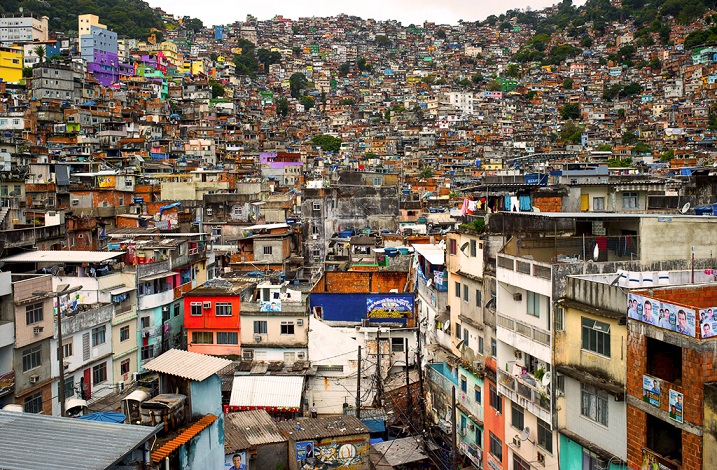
(211, 316)
(495, 447)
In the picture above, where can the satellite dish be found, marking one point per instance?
(55, 270)
(546, 379)
(429, 282)
(525, 433)
(685, 208)
(596, 253)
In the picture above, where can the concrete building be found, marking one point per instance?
(18, 29)
(11, 64)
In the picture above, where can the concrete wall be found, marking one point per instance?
(206, 450)
(662, 241)
(348, 452)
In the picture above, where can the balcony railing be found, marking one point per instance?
(524, 391)
(464, 399)
(536, 334)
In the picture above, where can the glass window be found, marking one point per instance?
(596, 336)
(534, 304)
(598, 203)
(99, 373)
(453, 246)
(33, 403)
(493, 348)
(591, 461)
(287, 328)
(202, 337)
(195, 309)
(33, 313)
(496, 401)
(98, 335)
(397, 344)
(124, 367)
(227, 337)
(496, 446)
(124, 333)
(545, 436)
(594, 404)
(458, 330)
(223, 309)
(465, 292)
(69, 387)
(517, 418)
(477, 394)
(520, 464)
(260, 327)
(464, 384)
(177, 308)
(31, 358)
(473, 248)
(478, 297)
(147, 352)
(629, 200)
(480, 344)
(458, 290)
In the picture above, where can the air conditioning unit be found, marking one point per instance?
(541, 458)
(135, 210)
(516, 441)
(257, 339)
(365, 322)
(207, 305)
(517, 296)
(38, 329)
(300, 355)
(34, 379)
(75, 202)
(299, 322)
(165, 309)
(314, 237)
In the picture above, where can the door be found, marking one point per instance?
(87, 384)
(584, 202)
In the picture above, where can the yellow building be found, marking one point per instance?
(169, 49)
(86, 22)
(11, 64)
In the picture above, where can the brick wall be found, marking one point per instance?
(361, 282)
(548, 203)
(692, 297)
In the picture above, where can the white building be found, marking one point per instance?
(20, 29)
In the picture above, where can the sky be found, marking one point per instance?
(213, 12)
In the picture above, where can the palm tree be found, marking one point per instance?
(39, 52)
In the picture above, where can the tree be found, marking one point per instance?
(382, 41)
(328, 143)
(307, 101)
(217, 89)
(344, 69)
(39, 52)
(194, 24)
(282, 106)
(26, 72)
(477, 78)
(568, 84)
(441, 34)
(530, 95)
(604, 148)
(586, 41)
(570, 111)
(347, 102)
(363, 65)
(426, 172)
(267, 57)
(297, 83)
(641, 147)
(628, 138)
(512, 71)
(667, 156)
(494, 85)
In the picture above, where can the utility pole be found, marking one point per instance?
(378, 367)
(409, 405)
(419, 360)
(454, 450)
(358, 386)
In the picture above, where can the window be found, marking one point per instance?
(496, 446)
(267, 250)
(223, 309)
(480, 344)
(98, 335)
(260, 327)
(477, 395)
(629, 200)
(33, 313)
(287, 328)
(99, 373)
(493, 348)
(465, 292)
(124, 333)
(397, 344)
(202, 337)
(598, 203)
(69, 387)
(458, 290)
(66, 350)
(664, 360)
(534, 304)
(545, 436)
(520, 464)
(195, 309)
(124, 367)
(144, 322)
(473, 249)
(314, 229)
(464, 384)
(478, 297)
(496, 401)
(458, 330)
(594, 404)
(592, 461)
(596, 336)
(147, 352)
(177, 308)
(560, 319)
(165, 313)
(317, 206)
(227, 337)
(33, 403)
(31, 358)
(517, 418)
(453, 246)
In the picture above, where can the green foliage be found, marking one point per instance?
(477, 78)
(463, 82)
(267, 57)
(568, 84)
(628, 138)
(297, 83)
(570, 111)
(494, 85)
(477, 225)
(428, 79)
(347, 102)
(26, 72)
(512, 71)
(382, 41)
(130, 18)
(246, 62)
(328, 143)
(426, 172)
(667, 156)
(558, 54)
(194, 24)
(344, 69)
(619, 162)
(571, 132)
(530, 95)
(641, 147)
(363, 65)
(282, 106)
(307, 101)
(604, 148)
(217, 89)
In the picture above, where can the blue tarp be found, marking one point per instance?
(105, 417)
(374, 425)
(375, 440)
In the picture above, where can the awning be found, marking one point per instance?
(157, 276)
(267, 391)
(121, 290)
(434, 254)
(374, 425)
(74, 403)
(137, 395)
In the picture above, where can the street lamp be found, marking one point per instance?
(62, 289)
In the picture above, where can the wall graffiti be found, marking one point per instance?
(347, 455)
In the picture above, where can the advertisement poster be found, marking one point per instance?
(676, 400)
(304, 450)
(389, 307)
(708, 322)
(267, 306)
(661, 314)
(236, 461)
(651, 390)
(651, 461)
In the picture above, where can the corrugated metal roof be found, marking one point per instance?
(183, 438)
(63, 256)
(283, 391)
(390, 454)
(50, 442)
(188, 365)
(249, 428)
(326, 426)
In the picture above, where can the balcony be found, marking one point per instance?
(439, 375)
(95, 315)
(147, 302)
(7, 333)
(524, 391)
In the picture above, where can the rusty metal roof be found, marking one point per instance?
(318, 428)
(183, 438)
(250, 428)
(188, 365)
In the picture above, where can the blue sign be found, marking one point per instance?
(389, 307)
(304, 450)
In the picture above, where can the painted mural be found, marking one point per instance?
(346, 454)
(389, 307)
